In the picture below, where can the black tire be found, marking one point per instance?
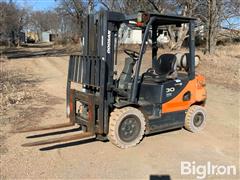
(195, 119)
(126, 127)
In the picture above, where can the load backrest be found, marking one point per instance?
(85, 70)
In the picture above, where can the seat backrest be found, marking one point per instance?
(166, 64)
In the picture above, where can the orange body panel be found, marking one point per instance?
(198, 94)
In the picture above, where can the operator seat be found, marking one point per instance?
(164, 68)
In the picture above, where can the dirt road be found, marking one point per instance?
(158, 155)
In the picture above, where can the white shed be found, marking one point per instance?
(48, 36)
(128, 35)
(45, 36)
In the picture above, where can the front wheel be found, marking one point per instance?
(195, 119)
(126, 127)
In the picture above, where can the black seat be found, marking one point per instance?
(163, 68)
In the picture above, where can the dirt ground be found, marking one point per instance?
(33, 93)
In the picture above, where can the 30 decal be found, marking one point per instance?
(170, 90)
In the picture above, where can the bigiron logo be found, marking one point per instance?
(202, 171)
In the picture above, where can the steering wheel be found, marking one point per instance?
(132, 54)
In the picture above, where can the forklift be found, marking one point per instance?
(125, 108)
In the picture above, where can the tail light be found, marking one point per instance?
(142, 18)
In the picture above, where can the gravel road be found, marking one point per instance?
(156, 156)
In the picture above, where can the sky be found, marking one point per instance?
(37, 4)
(234, 23)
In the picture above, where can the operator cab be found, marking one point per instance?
(165, 69)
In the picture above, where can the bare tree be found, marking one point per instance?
(230, 18)
(12, 19)
(211, 14)
(72, 13)
(162, 6)
(128, 6)
(180, 7)
(212, 25)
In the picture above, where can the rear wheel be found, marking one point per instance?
(126, 127)
(195, 119)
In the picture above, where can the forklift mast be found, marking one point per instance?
(94, 69)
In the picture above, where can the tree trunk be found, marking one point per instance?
(212, 27)
(176, 42)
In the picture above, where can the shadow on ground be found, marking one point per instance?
(65, 145)
(25, 53)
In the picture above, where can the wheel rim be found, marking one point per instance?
(198, 119)
(129, 128)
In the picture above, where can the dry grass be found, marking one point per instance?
(223, 67)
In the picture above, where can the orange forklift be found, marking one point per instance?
(126, 108)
